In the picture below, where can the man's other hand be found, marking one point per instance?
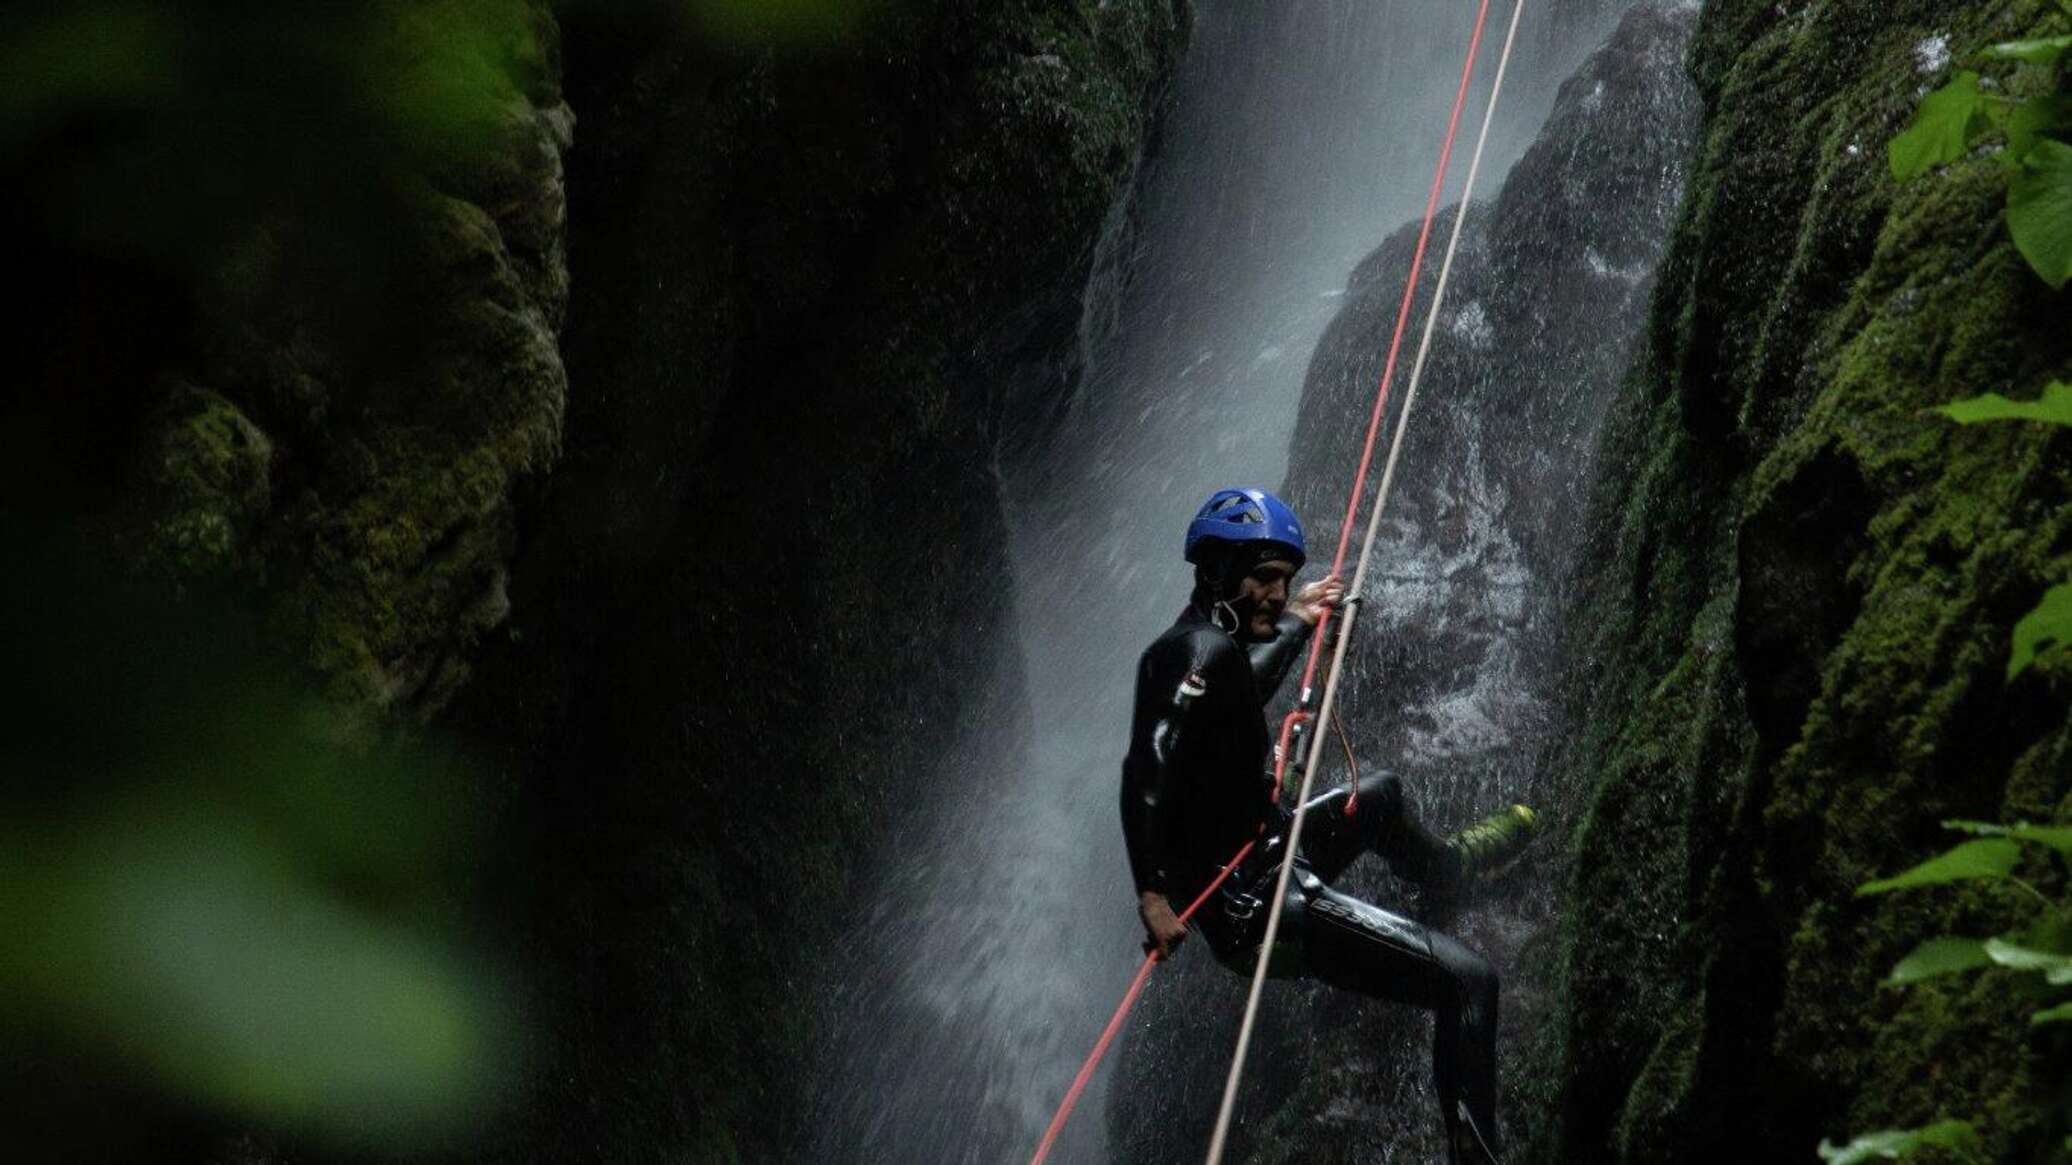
(1163, 930)
(1318, 597)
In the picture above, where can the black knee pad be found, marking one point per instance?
(1380, 794)
(1385, 789)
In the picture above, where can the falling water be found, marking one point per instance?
(1301, 134)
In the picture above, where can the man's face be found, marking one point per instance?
(1266, 588)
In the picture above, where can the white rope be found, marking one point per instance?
(1345, 631)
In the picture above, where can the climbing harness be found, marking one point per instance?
(1291, 725)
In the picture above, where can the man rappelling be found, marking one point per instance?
(1196, 788)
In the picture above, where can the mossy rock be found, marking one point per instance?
(1869, 560)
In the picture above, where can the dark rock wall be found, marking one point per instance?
(771, 576)
(1794, 622)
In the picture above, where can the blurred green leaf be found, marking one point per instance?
(2049, 624)
(2039, 211)
(207, 883)
(1938, 957)
(178, 941)
(2042, 51)
(2056, 968)
(443, 72)
(2055, 406)
(2057, 837)
(1984, 858)
(1895, 1143)
(1948, 121)
(192, 947)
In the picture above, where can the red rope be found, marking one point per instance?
(1309, 670)
(1129, 1000)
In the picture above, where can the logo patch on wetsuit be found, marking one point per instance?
(1193, 686)
(1371, 921)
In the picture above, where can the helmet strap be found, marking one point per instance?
(1224, 601)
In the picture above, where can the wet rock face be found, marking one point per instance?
(1547, 297)
(1795, 619)
(1453, 673)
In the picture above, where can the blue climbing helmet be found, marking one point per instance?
(1235, 517)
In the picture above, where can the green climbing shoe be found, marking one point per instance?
(1496, 839)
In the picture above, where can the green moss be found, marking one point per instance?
(1655, 1117)
(1868, 561)
(205, 485)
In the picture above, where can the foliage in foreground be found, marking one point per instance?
(1952, 121)
(2043, 948)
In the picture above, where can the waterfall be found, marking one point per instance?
(1002, 930)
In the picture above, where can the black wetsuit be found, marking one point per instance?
(1196, 787)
